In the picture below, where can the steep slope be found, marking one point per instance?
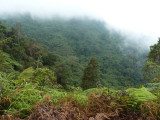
(77, 40)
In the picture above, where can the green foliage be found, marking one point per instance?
(139, 95)
(27, 74)
(152, 69)
(91, 75)
(55, 94)
(151, 72)
(7, 64)
(44, 76)
(63, 74)
(50, 59)
(30, 75)
(96, 91)
(19, 97)
(41, 76)
(3, 28)
(6, 84)
(23, 99)
(76, 41)
(18, 54)
(154, 54)
(154, 88)
(79, 98)
(3, 31)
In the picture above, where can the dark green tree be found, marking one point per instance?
(18, 30)
(91, 75)
(62, 73)
(2, 31)
(151, 70)
(154, 54)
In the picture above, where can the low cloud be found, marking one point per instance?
(133, 18)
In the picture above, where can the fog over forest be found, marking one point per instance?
(79, 60)
(139, 20)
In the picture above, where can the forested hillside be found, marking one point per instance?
(77, 40)
(36, 83)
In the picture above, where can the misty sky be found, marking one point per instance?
(139, 16)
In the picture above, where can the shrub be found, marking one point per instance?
(137, 96)
(44, 76)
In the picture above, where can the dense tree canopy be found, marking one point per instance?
(151, 70)
(18, 54)
(76, 41)
(36, 83)
(91, 75)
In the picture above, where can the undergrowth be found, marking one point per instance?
(24, 98)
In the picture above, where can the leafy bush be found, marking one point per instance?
(23, 99)
(137, 96)
(44, 76)
(7, 85)
(154, 88)
(7, 63)
(151, 72)
(27, 74)
(55, 94)
(79, 98)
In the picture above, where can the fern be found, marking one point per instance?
(23, 99)
(137, 96)
(27, 74)
(154, 88)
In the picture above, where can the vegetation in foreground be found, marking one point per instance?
(31, 89)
